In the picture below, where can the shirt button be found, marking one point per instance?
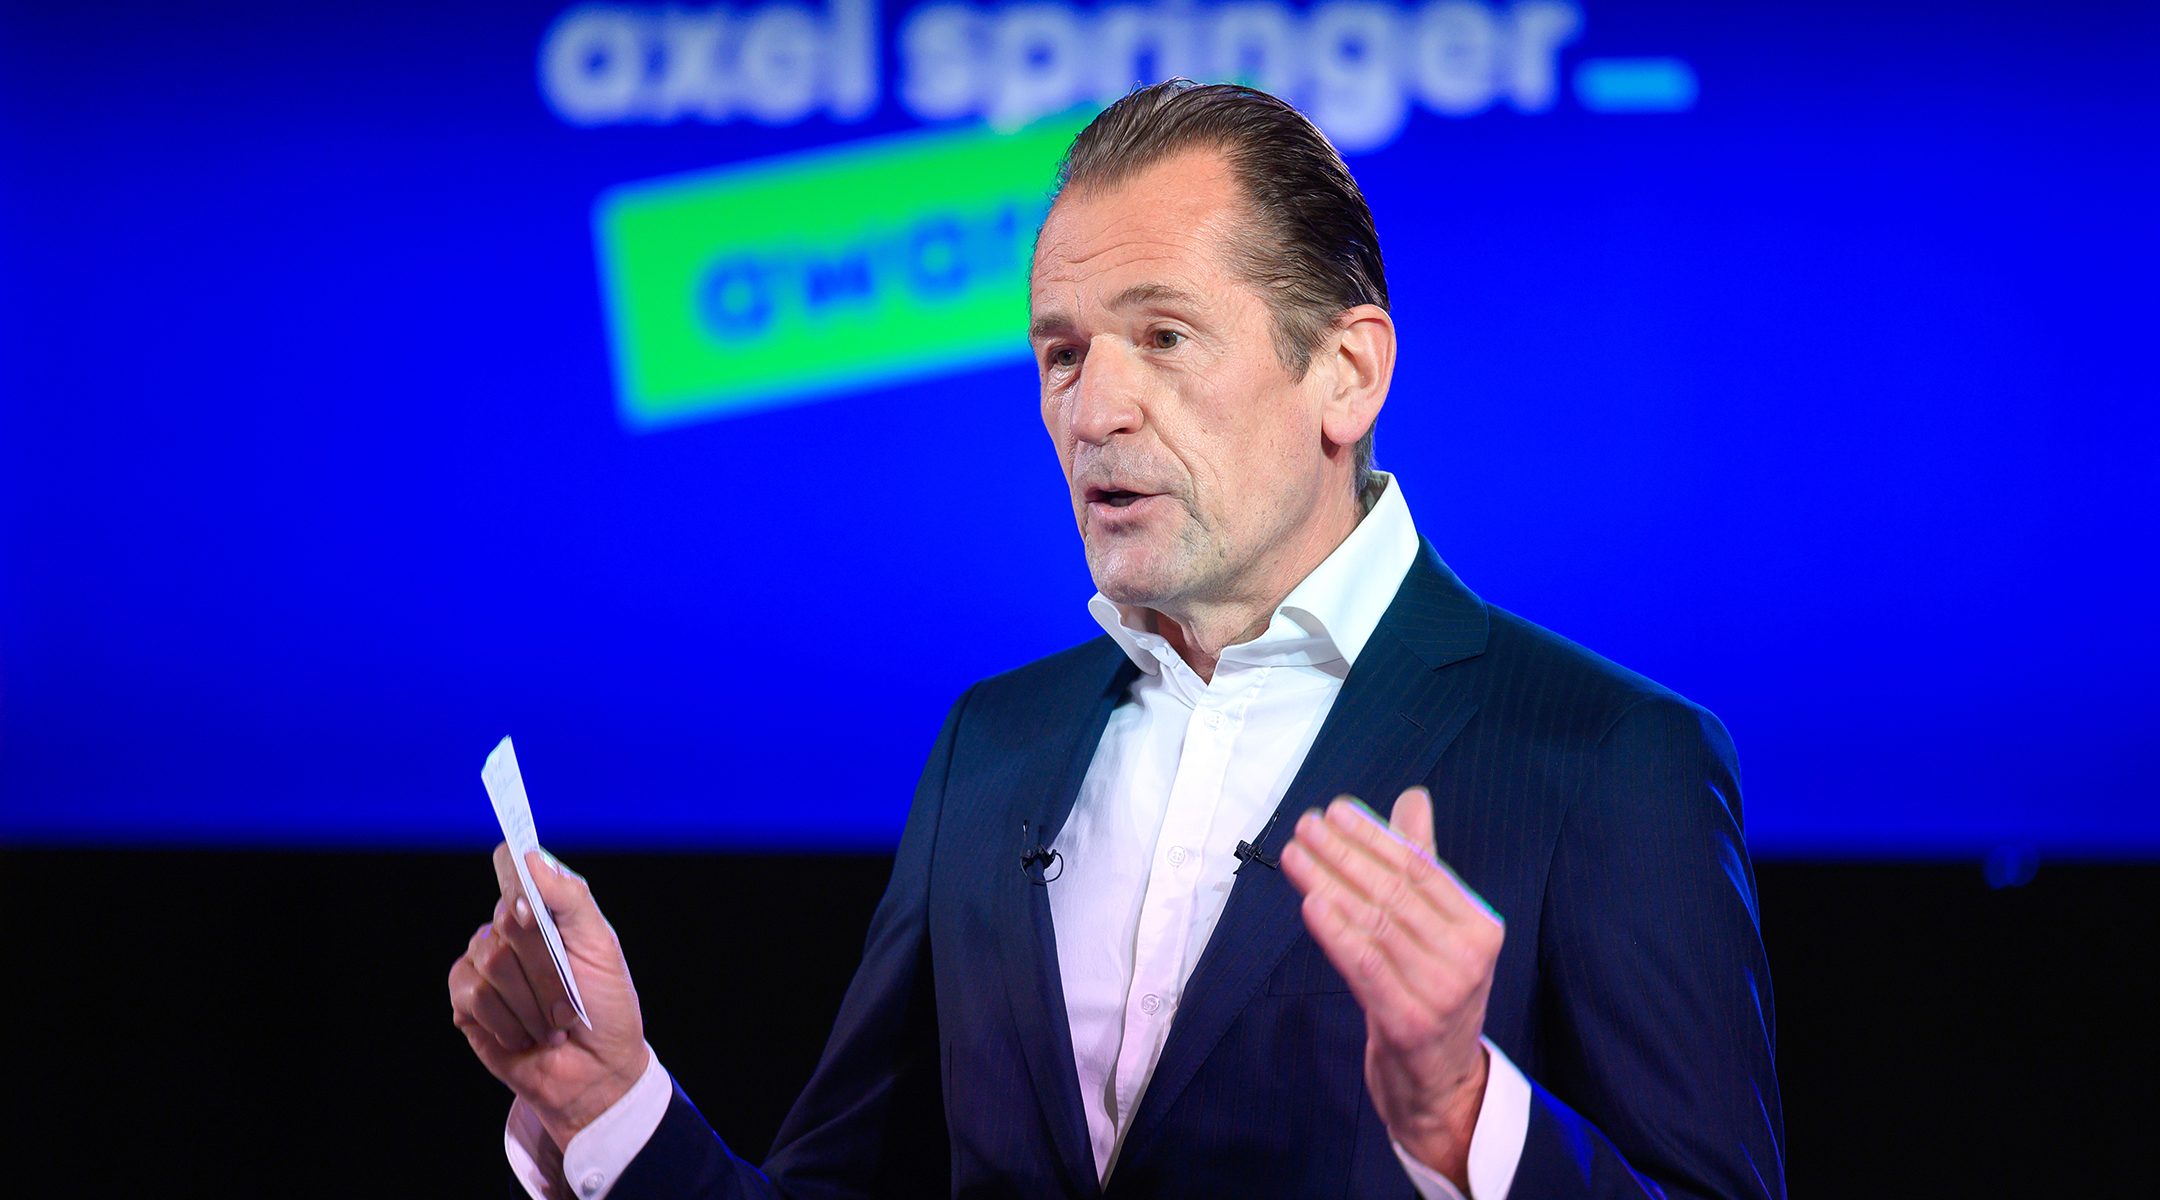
(1178, 856)
(1151, 1004)
(592, 1182)
(1214, 720)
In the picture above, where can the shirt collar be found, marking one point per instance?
(1328, 617)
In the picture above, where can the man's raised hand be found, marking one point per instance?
(507, 998)
(1418, 949)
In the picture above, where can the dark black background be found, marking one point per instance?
(277, 1024)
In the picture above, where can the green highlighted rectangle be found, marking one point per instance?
(792, 278)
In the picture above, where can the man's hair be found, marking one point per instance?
(1307, 241)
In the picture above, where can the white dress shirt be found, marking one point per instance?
(1185, 770)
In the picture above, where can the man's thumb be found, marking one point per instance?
(564, 892)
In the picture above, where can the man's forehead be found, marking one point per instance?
(1124, 257)
(1127, 279)
(1163, 230)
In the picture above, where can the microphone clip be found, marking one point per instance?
(1250, 852)
(1036, 859)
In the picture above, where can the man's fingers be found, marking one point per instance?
(1319, 861)
(1382, 879)
(476, 1005)
(1378, 907)
(561, 889)
(1413, 910)
(1405, 1006)
(1375, 978)
(1412, 818)
(1395, 861)
(500, 963)
(495, 1016)
(570, 903)
(506, 877)
(1409, 983)
(546, 983)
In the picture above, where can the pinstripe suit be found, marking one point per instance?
(1596, 811)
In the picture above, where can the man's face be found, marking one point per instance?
(1196, 464)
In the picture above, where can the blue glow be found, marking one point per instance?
(2011, 866)
(1827, 402)
(1635, 85)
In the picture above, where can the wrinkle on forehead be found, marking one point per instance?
(1067, 262)
(1181, 210)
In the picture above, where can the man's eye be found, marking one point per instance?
(1167, 339)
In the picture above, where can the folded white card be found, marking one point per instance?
(506, 791)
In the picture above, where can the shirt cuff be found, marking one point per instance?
(1496, 1143)
(598, 1155)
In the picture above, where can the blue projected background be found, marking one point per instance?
(353, 414)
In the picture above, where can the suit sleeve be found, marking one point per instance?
(871, 1121)
(1656, 991)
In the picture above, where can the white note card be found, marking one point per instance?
(506, 791)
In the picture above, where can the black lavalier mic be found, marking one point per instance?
(1249, 852)
(1036, 859)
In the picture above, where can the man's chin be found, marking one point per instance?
(1124, 582)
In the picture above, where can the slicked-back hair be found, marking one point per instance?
(1307, 239)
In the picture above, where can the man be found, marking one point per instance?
(1125, 948)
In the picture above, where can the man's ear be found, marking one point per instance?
(1364, 352)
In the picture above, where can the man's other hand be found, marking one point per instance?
(1418, 949)
(507, 998)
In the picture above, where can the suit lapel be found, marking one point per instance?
(1395, 715)
(1057, 764)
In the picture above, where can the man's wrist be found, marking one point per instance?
(1442, 1140)
(567, 1122)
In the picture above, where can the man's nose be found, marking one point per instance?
(1108, 399)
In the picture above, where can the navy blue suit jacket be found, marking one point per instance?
(1598, 813)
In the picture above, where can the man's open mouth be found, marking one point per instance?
(1114, 497)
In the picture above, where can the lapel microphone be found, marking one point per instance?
(1037, 859)
(1249, 852)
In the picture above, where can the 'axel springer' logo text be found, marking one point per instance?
(1357, 66)
(904, 256)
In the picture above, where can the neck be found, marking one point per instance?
(1200, 642)
(1201, 631)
